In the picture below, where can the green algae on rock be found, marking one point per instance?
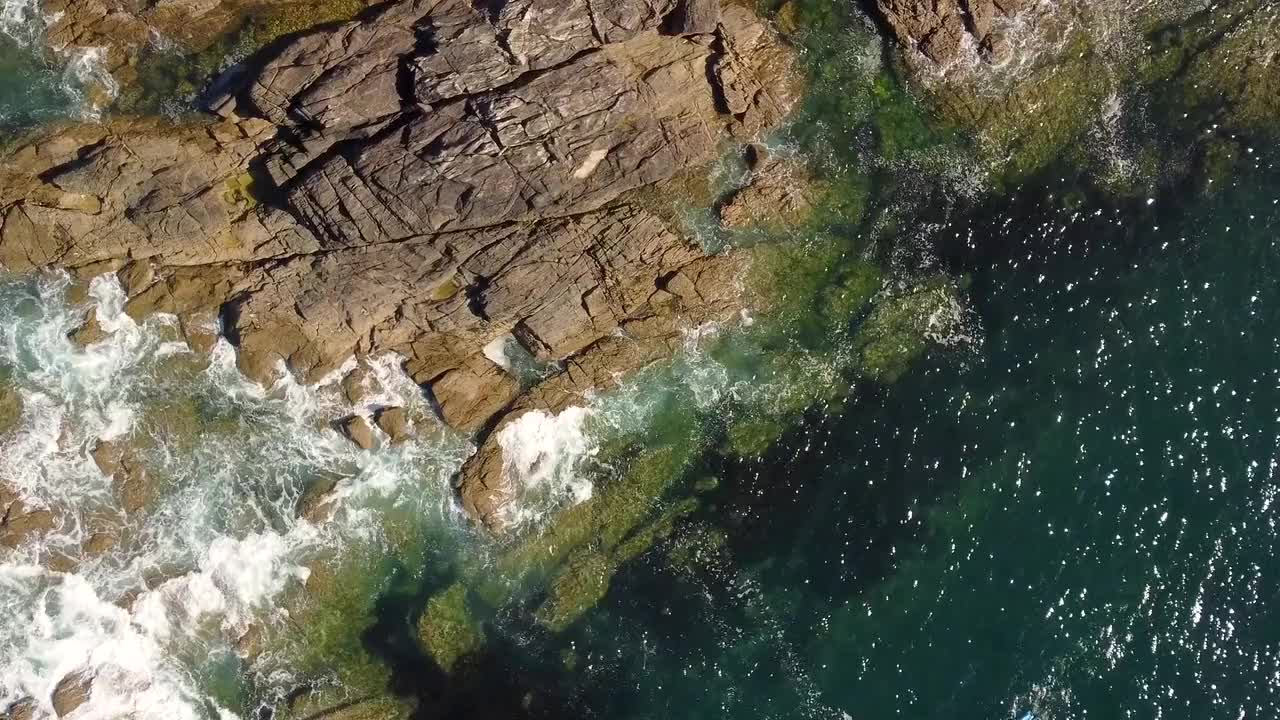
(899, 328)
(448, 630)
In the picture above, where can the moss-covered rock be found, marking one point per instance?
(448, 630)
(165, 78)
(753, 437)
(333, 703)
(898, 330)
(10, 409)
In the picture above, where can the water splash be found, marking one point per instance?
(154, 612)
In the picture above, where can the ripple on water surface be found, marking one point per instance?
(1079, 521)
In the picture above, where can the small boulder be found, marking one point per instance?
(200, 330)
(316, 503)
(395, 423)
(89, 332)
(357, 430)
(355, 385)
(72, 692)
(99, 543)
(129, 477)
(24, 709)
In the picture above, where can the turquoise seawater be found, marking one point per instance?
(1075, 519)
(32, 88)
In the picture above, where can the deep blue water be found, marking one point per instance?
(1076, 518)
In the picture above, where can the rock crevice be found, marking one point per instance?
(424, 180)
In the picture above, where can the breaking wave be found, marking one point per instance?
(142, 601)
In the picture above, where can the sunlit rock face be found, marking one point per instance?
(423, 180)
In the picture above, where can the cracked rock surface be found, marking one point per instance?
(424, 180)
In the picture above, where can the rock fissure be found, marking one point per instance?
(425, 179)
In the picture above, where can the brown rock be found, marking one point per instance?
(429, 196)
(89, 332)
(136, 276)
(693, 17)
(24, 709)
(705, 291)
(395, 423)
(357, 430)
(132, 485)
(200, 330)
(938, 28)
(250, 643)
(10, 409)
(470, 394)
(20, 522)
(355, 384)
(779, 195)
(316, 503)
(72, 692)
(99, 543)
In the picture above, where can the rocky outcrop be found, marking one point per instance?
(942, 30)
(424, 180)
(116, 36)
(780, 194)
(18, 521)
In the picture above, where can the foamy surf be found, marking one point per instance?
(543, 459)
(150, 618)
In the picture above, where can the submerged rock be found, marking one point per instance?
(901, 326)
(1033, 81)
(10, 409)
(99, 543)
(943, 30)
(332, 704)
(316, 504)
(447, 629)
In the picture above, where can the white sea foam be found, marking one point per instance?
(220, 548)
(87, 79)
(543, 457)
(20, 20)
